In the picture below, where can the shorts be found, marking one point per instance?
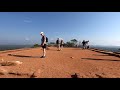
(58, 45)
(44, 46)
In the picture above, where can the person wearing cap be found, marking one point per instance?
(43, 44)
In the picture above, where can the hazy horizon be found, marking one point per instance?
(23, 28)
(37, 43)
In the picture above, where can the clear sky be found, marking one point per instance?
(100, 28)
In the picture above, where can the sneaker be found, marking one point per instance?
(42, 57)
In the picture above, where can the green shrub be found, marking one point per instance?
(36, 45)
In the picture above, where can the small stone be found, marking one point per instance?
(72, 57)
(74, 76)
(18, 62)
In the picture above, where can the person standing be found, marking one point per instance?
(58, 43)
(84, 44)
(87, 46)
(61, 44)
(43, 44)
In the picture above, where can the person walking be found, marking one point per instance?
(43, 44)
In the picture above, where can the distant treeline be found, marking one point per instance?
(76, 43)
(71, 43)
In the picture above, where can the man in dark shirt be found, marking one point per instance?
(43, 44)
(58, 44)
(61, 44)
(83, 44)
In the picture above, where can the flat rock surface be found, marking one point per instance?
(68, 63)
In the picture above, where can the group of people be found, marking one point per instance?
(59, 43)
(44, 41)
(85, 44)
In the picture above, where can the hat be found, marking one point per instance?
(41, 33)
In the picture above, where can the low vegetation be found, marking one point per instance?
(71, 43)
(36, 45)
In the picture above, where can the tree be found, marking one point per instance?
(69, 44)
(52, 42)
(74, 41)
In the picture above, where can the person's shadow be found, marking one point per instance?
(24, 56)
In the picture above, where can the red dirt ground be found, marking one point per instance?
(61, 64)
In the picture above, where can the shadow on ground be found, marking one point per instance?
(99, 55)
(24, 56)
(100, 59)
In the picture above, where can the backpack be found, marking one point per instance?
(46, 39)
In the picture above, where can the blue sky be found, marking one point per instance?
(100, 28)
